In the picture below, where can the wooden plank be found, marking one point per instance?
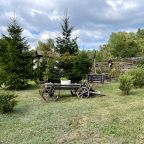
(62, 86)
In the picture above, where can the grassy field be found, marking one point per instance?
(111, 119)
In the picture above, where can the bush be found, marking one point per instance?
(15, 82)
(138, 76)
(141, 63)
(115, 72)
(126, 83)
(7, 102)
(73, 67)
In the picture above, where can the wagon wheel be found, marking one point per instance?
(48, 94)
(82, 92)
(43, 93)
(42, 89)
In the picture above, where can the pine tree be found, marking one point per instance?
(64, 43)
(15, 58)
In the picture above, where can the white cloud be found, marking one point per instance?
(93, 20)
(47, 34)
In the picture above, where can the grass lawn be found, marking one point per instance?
(111, 119)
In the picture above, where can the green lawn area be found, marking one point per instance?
(110, 119)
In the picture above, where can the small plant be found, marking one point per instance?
(63, 78)
(126, 83)
(7, 102)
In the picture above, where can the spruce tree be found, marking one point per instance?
(64, 43)
(15, 58)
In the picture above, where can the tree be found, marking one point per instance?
(140, 40)
(15, 58)
(104, 54)
(64, 43)
(82, 66)
(47, 49)
(123, 44)
(75, 67)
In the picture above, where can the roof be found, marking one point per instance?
(39, 53)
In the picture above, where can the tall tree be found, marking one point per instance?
(47, 50)
(15, 58)
(123, 44)
(64, 43)
(140, 40)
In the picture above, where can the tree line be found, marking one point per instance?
(122, 45)
(62, 58)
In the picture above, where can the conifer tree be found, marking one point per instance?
(15, 58)
(64, 43)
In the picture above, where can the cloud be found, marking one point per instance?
(93, 20)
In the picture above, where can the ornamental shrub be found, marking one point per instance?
(126, 83)
(138, 76)
(7, 102)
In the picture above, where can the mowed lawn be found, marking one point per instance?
(110, 119)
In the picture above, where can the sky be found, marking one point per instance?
(93, 20)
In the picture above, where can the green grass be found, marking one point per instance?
(111, 119)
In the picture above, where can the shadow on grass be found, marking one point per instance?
(16, 112)
(27, 87)
(68, 97)
(65, 97)
(96, 95)
(31, 87)
(135, 92)
(20, 110)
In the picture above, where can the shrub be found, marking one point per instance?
(7, 102)
(115, 72)
(126, 83)
(141, 63)
(73, 67)
(138, 76)
(63, 78)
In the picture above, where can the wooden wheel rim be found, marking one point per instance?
(83, 92)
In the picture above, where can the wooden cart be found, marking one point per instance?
(80, 90)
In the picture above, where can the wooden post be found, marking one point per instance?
(94, 62)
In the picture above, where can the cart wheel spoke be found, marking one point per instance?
(44, 95)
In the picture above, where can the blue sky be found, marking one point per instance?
(93, 20)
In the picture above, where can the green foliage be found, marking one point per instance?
(82, 67)
(66, 64)
(70, 64)
(138, 76)
(38, 73)
(123, 45)
(47, 49)
(140, 40)
(15, 58)
(54, 73)
(126, 83)
(64, 43)
(63, 78)
(7, 102)
(75, 67)
(104, 54)
(141, 63)
(115, 72)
